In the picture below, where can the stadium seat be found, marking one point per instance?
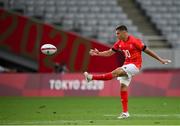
(166, 17)
(84, 15)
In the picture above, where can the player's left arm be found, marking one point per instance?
(156, 56)
(140, 45)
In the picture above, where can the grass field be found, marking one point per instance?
(88, 111)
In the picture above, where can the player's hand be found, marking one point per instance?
(94, 52)
(165, 61)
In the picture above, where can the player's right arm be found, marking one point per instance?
(96, 52)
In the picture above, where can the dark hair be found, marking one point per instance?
(122, 28)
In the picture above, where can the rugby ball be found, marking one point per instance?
(48, 49)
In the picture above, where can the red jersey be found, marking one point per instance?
(132, 49)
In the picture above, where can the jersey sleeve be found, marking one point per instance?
(140, 45)
(115, 47)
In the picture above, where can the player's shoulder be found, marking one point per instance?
(135, 39)
(118, 42)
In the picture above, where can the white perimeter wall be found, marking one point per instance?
(172, 54)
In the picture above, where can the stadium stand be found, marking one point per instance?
(165, 15)
(151, 35)
(97, 19)
(94, 19)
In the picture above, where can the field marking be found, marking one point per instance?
(45, 122)
(156, 115)
(146, 115)
(75, 122)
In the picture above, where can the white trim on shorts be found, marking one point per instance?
(130, 70)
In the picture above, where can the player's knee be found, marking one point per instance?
(115, 74)
(124, 87)
(118, 72)
(121, 72)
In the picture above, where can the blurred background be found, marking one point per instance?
(76, 26)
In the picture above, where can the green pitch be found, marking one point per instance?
(88, 111)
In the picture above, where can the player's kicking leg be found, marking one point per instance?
(125, 79)
(124, 74)
(107, 76)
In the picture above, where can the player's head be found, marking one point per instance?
(122, 32)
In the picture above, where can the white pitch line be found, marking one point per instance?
(50, 122)
(146, 115)
(156, 115)
(110, 115)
